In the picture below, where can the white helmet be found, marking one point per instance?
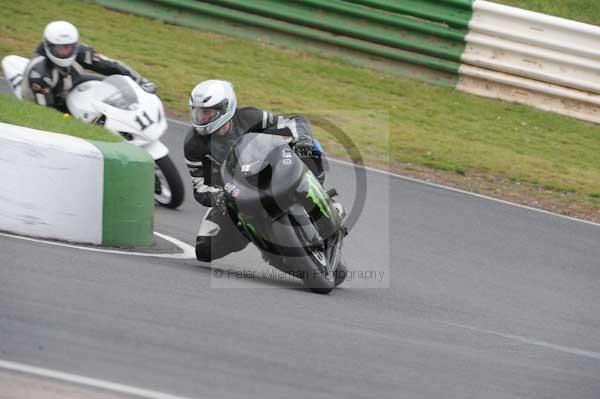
(212, 104)
(61, 41)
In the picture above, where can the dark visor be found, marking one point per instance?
(62, 51)
(204, 116)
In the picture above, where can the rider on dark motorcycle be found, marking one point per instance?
(217, 124)
(59, 62)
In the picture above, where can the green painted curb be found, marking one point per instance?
(128, 212)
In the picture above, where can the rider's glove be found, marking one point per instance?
(303, 146)
(148, 86)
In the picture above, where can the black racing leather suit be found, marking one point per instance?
(48, 84)
(218, 236)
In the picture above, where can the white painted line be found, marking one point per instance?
(532, 341)
(457, 190)
(440, 186)
(85, 381)
(188, 252)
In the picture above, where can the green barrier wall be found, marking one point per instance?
(424, 33)
(128, 211)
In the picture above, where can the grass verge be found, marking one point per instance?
(394, 121)
(30, 115)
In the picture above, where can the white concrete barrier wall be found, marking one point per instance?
(51, 185)
(540, 60)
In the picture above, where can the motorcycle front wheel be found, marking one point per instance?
(310, 260)
(168, 187)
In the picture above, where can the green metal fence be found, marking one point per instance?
(424, 33)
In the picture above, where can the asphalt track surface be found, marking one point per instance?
(478, 299)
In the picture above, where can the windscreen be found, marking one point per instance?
(124, 97)
(252, 150)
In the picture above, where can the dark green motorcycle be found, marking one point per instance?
(283, 209)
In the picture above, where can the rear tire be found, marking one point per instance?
(169, 190)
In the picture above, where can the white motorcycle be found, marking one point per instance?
(125, 109)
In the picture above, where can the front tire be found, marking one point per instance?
(340, 273)
(317, 280)
(301, 260)
(169, 191)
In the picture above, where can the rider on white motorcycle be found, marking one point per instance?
(58, 65)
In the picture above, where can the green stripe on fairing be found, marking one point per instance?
(128, 213)
(317, 195)
(250, 229)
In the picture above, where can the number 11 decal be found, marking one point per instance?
(143, 125)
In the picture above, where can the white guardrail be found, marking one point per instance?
(543, 61)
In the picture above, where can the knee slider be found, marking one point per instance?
(203, 252)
